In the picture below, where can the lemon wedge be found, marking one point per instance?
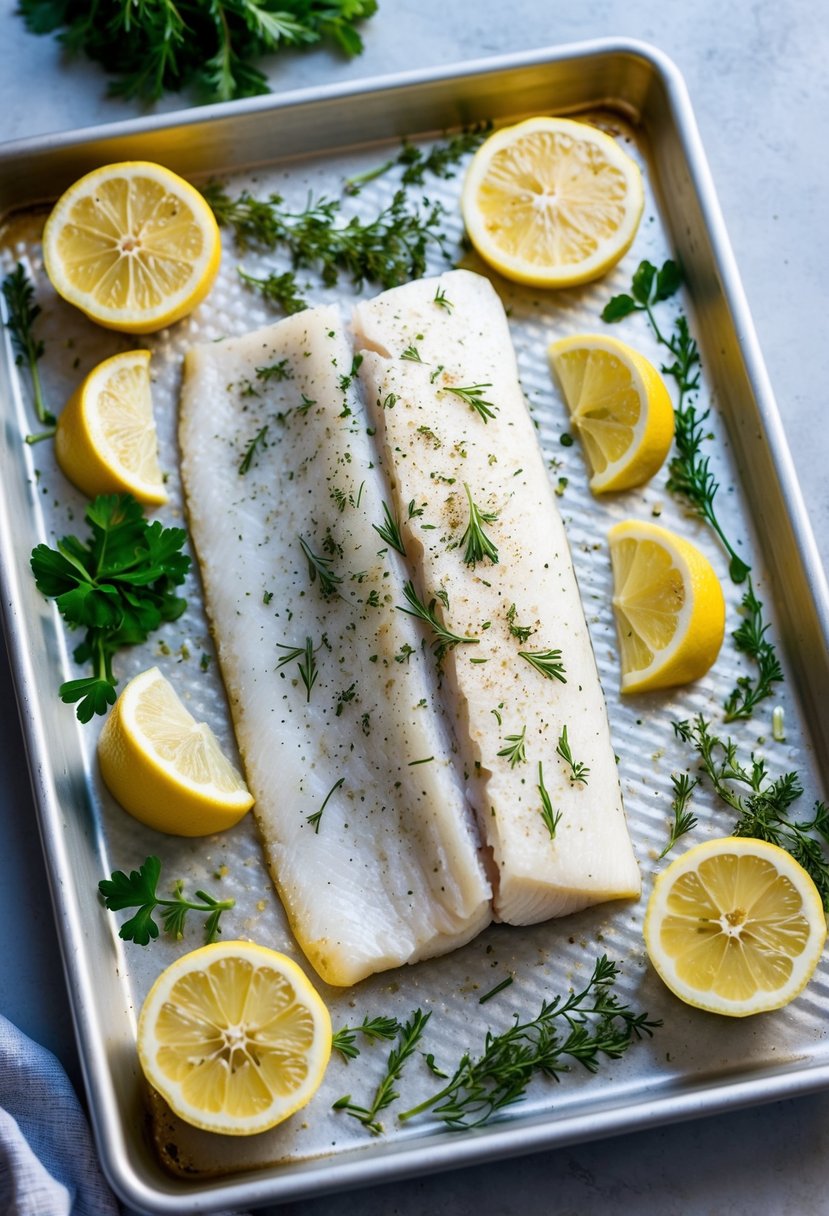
(618, 405)
(552, 202)
(669, 607)
(132, 245)
(166, 768)
(234, 1037)
(105, 440)
(735, 926)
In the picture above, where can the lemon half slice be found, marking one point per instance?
(735, 926)
(132, 245)
(234, 1037)
(552, 202)
(166, 768)
(105, 440)
(619, 406)
(669, 607)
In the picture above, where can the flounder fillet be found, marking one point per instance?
(530, 671)
(359, 798)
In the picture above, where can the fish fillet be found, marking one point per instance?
(359, 799)
(446, 454)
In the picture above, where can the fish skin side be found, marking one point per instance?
(393, 872)
(433, 443)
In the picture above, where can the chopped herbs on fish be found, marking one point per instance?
(578, 772)
(478, 544)
(314, 820)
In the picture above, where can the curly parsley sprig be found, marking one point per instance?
(212, 45)
(139, 889)
(118, 586)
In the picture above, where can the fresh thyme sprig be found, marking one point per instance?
(210, 44)
(551, 817)
(260, 440)
(279, 289)
(478, 544)
(684, 820)
(307, 665)
(138, 889)
(443, 638)
(578, 771)
(118, 586)
(389, 531)
(22, 311)
(441, 160)
(320, 568)
(408, 1037)
(314, 819)
(750, 638)
(689, 471)
(763, 808)
(583, 1026)
(389, 249)
(344, 1040)
(473, 395)
(515, 750)
(547, 662)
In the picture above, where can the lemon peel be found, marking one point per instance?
(133, 245)
(234, 1037)
(735, 926)
(552, 202)
(619, 406)
(165, 768)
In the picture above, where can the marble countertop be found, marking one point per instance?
(756, 72)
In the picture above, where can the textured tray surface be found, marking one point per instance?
(692, 1050)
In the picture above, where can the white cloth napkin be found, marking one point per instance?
(48, 1164)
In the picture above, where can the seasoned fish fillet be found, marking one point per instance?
(530, 672)
(359, 798)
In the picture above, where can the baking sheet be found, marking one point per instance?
(695, 1062)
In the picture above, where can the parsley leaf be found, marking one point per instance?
(138, 889)
(117, 585)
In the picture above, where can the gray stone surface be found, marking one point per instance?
(756, 71)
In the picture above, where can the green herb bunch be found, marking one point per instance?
(153, 46)
(139, 889)
(118, 585)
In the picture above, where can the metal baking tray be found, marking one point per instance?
(696, 1063)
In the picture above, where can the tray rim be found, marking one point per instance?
(442, 1151)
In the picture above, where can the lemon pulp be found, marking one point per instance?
(669, 607)
(735, 926)
(165, 768)
(619, 406)
(552, 202)
(133, 245)
(234, 1037)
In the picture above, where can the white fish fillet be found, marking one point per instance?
(392, 874)
(433, 445)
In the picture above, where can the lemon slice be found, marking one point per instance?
(133, 246)
(166, 768)
(105, 440)
(619, 406)
(735, 926)
(234, 1037)
(552, 202)
(669, 607)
